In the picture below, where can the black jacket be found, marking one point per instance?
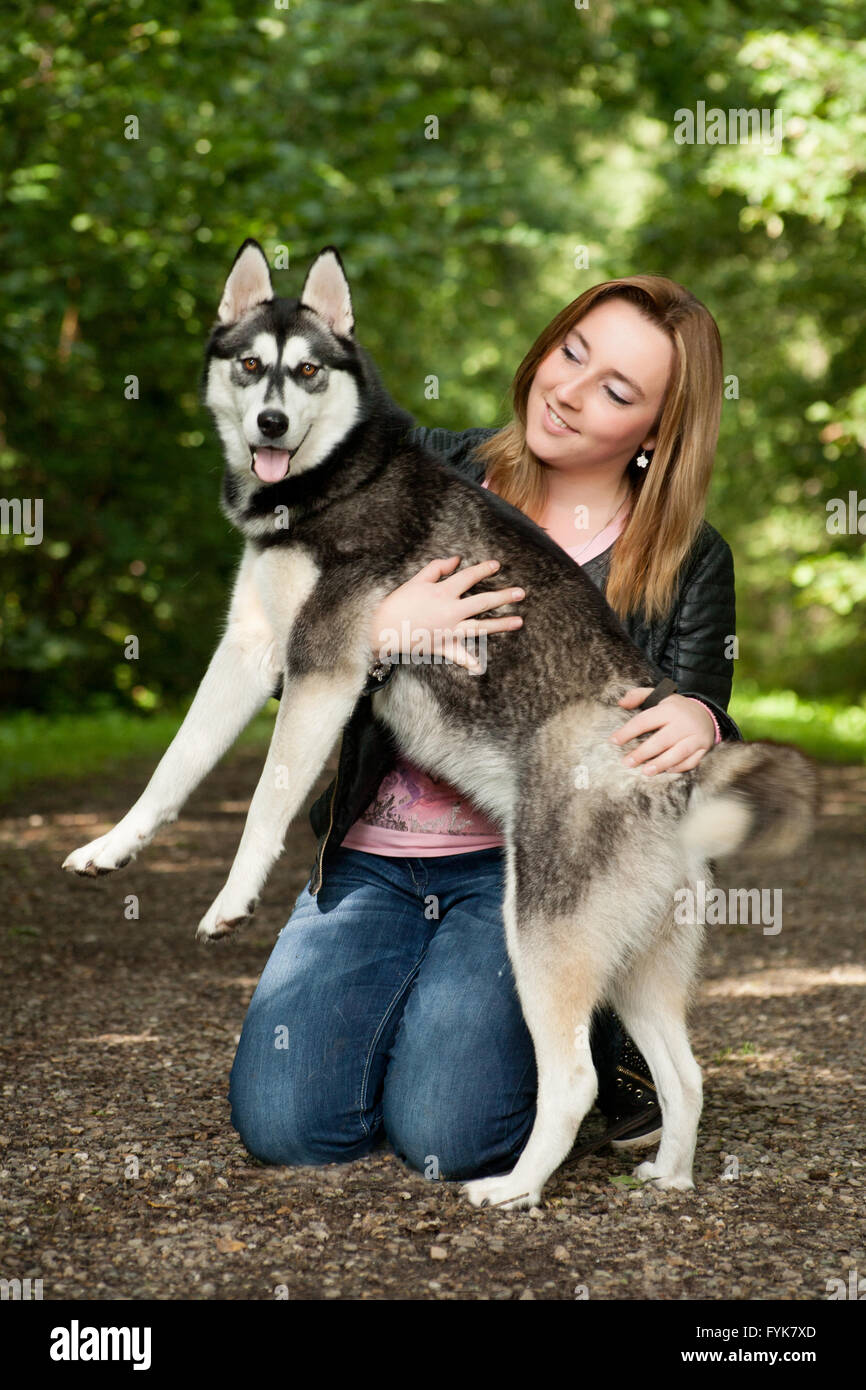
(688, 645)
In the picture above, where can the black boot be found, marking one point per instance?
(625, 1086)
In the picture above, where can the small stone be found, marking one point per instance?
(438, 1252)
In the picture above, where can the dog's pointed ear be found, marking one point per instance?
(249, 283)
(326, 292)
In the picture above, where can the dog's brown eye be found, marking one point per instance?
(249, 364)
(308, 369)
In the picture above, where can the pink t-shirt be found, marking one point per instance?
(413, 813)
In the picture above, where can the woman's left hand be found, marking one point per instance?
(685, 732)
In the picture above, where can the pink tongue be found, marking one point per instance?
(271, 464)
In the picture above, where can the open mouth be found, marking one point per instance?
(270, 465)
(557, 420)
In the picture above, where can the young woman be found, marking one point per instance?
(387, 1012)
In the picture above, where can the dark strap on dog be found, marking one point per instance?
(662, 690)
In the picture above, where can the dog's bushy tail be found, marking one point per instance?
(758, 796)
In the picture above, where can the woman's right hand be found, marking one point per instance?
(431, 602)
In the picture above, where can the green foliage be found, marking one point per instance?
(40, 748)
(308, 124)
(828, 729)
(627, 1181)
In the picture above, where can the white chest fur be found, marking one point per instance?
(283, 577)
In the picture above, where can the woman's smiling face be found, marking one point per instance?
(595, 397)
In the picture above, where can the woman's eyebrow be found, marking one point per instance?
(622, 376)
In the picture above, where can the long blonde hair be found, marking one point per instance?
(668, 497)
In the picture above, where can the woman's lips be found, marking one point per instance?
(552, 424)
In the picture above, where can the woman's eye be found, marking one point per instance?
(250, 364)
(308, 369)
(612, 394)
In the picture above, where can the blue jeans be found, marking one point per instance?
(387, 1012)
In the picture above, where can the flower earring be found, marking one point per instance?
(642, 461)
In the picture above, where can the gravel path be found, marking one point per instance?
(121, 1177)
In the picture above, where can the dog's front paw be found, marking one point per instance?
(224, 916)
(650, 1172)
(501, 1192)
(104, 855)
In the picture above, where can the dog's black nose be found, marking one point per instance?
(273, 423)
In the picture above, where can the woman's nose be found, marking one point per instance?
(569, 393)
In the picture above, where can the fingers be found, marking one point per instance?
(457, 583)
(635, 696)
(687, 763)
(494, 598)
(464, 579)
(650, 748)
(642, 723)
(437, 568)
(678, 758)
(471, 628)
(457, 653)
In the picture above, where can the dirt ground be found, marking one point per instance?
(122, 1178)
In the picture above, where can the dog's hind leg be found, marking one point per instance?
(558, 979)
(652, 1001)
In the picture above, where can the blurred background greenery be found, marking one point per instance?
(306, 123)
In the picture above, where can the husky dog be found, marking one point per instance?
(338, 508)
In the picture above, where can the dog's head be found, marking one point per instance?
(281, 377)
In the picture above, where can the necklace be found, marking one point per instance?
(603, 528)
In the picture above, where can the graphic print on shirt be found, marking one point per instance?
(411, 800)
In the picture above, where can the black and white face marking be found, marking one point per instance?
(278, 381)
(275, 378)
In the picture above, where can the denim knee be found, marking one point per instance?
(298, 1135)
(441, 1141)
